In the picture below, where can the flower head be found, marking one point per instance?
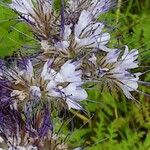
(66, 84)
(114, 70)
(28, 83)
(30, 8)
(38, 14)
(84, 35)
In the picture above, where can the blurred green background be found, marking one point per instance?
(113, 122)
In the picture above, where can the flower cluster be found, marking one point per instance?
(113, 70)
(74, 52)
(30, 129)
(62, 86)
(30, 93)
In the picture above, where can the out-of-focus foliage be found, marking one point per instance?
(112, 122)
(116, 124)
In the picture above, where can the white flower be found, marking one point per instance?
(28, 8)
(112, 55)
(117, 69)
(23, 6)
(87, 34)
(68, 73)
(72, 92)
(84, 20)
(48, 73)
(63, 84)
(128, 59)
(75, 92)
(129, 84)
(62, 46)
(38, 14)
(25, 73)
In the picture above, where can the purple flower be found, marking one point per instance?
(38, 121)
(10, 122)
(46, 126)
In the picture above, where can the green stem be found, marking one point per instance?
(118, 10)
(82, 117)
(116, 113)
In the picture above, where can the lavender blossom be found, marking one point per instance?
(80, 33)
(72, 93)
(95, 7)
(84, 35)
(63, 85)
(114, 71)
(30, 129)
(10, 121)
(29, 8)
(38, 14)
